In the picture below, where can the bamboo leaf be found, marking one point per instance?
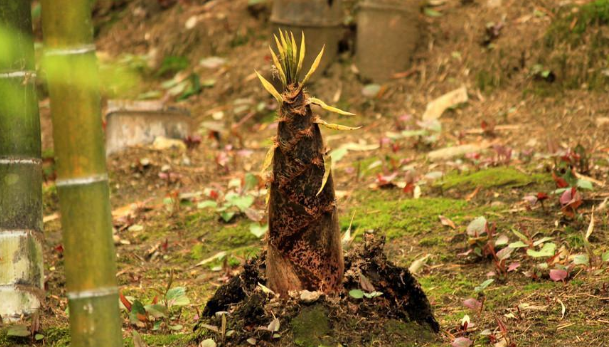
(283, 42)
(268, 159)
(314, 66)
(302, 55)
(327, 170)
(294, 50)
(334, 126)
(287, 49)
(278, 66)
(269, 88)
(326, 107)
(279, 48)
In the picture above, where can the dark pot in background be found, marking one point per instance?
(320, 22)
(387, 35)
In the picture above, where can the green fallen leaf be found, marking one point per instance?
(584, 184)
(258, 230)
(156, 310)
(356, 293)
(240, 201)
(373, 294)
(429, 12)
(581, 259)
(177, 297)
(227, 216)
(18, 330)
(517, 244)
(207, 204)
(546, 251)
(484, 285)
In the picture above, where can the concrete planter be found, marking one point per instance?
(320, 22)
(387, 35)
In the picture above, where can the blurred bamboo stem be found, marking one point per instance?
(82, 184)
(21, 264)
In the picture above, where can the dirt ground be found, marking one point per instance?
(535, 123)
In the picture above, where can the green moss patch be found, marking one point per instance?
(407, 334)
(501, 177)
(576, 46)
(311, 326)
(385, 213)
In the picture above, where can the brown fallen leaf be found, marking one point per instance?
(50, 218)
(447, 222)
(473, 194)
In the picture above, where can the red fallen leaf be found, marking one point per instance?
(447, 222)
(192, 141)
(569, 196)
(487, 127)
(502, 326)
(125, 301)
(384, 141)
(513, 266)
(560, 182)
(59, 248)
(409, 188)
(473, 156)
(461, 342)
(155, 300)
(213, 194)
(558, 274)
(571, 200)
(165, 245)
(531, 200)
(541, 196)
(472, 304)
(385, 181)
(222, 159)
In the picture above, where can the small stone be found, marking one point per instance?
(497, 204)
(162, 143)
(309, 297)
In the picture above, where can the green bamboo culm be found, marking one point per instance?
(82, 181)
(21, 266)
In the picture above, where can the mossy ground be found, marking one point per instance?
(500, 177)
(412, 227)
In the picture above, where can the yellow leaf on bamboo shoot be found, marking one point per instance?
(313, 66)
(279, 48)
(269, 88)
(294, 50)
(326, 107)
(302, 55)
(327, 170)
(268, 159)
(334, 126)
(278, 65)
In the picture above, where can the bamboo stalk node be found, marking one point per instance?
(20, 161)
(37, 235)
(28, 74)
(34, 291)
(69, 50)
(79, 181)
(93, 293)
